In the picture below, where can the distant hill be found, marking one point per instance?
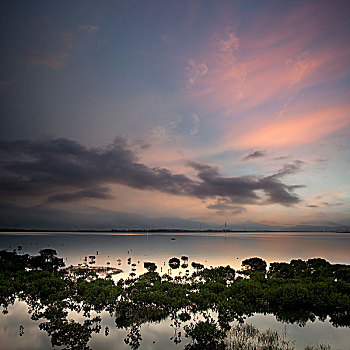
(252, 226)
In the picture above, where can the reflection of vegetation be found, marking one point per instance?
(150, 266)
(205, 335)
(184, 264)
(70, 334)
(295, 292)
(174, 263)
(197, 266)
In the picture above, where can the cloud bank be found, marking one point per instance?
(62, 170)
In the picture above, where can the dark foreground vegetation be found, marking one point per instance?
(294, 292)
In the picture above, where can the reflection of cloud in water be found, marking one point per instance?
(9, 330)
(312, 333)
(155, 336)
(206, 249)
(18, 314)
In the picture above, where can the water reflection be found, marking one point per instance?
(9, 330)
(130, 253)
(156, 336)
(209, 250)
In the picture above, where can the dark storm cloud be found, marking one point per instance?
(64, 170)
(279, 192)
(254, 155)
(30, 168)
(244, 189)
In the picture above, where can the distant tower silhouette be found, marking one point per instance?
(225, 226)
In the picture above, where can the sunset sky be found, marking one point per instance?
(174, 113)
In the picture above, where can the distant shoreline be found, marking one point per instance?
(7, 230)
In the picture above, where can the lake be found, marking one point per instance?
(210, 249)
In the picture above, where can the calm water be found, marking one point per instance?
(208, 249)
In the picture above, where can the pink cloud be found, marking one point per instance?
(276, 73)
(303, 66)
(226, 45)
(195, 71)
(295, 130)
(272, 63)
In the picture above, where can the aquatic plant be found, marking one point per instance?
(295, 292)
(254, 266)
(319, 347)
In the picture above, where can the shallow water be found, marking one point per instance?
(157, 336)
(208, 249)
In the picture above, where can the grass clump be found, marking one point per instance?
(319, 347)
(248, 337)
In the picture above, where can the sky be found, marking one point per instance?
(181, 113)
